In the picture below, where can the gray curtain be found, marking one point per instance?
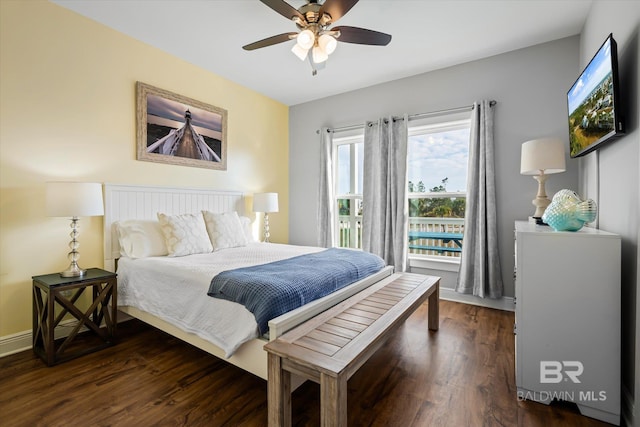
(385, 210)
(326, 217)
(480, 263)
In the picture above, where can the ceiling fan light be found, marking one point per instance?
(306, 39)
(319, 55)
(327, 43)
(300, 52)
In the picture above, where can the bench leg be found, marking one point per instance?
(434, 309)
(278, 393)
(333, 401)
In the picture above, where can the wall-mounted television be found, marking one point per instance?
(593, 102)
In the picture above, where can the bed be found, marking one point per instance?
(142, 281)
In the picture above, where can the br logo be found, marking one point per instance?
(553, 371)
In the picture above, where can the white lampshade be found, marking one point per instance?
(327, 43)
(265, 202)
(306, 39)
(299, 51)
(69, 199)
(546, 154)
(319, 55)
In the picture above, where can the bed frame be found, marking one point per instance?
(144, 202)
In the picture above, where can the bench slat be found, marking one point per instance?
(368, 302)
(370, 308)
(329, 337)
(338, 330)
(353, 318)
(318, 346)
(362, 313)
(358, 327)
(384, 299)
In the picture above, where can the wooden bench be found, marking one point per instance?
(329, 348)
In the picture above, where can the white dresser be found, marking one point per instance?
(567, 296)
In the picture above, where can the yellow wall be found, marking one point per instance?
(67, 112)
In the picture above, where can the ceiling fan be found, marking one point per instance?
(316, 40)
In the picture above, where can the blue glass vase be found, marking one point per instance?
(567, 212)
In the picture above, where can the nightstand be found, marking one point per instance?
(54, 297)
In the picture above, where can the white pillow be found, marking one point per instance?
(246, 227)
(185, 234)
(140, 238)
(225, 230)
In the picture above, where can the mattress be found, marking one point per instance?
(174, 289)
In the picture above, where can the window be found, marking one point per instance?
(437, 156)
(437, 172)
(349, 155)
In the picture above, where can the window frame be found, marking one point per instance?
(352, 140)
(437, 125)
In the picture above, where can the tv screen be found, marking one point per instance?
(594, 107)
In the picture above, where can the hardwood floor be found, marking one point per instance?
(462, 375)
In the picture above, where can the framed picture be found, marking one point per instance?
(178, 130)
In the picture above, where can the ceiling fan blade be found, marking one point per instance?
(270, 41)
(283, 8)
(337, 8)
(362, 36)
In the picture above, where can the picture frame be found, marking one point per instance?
(178, 130)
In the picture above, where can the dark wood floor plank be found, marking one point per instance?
(461, 375)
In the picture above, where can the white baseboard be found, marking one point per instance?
(504, 303)
(22, 341)
(15, 343)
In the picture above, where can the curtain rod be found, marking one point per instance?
(413, 116)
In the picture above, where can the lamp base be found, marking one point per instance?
(537, 220)
(73, 271)
(266, 228)
(541, 201)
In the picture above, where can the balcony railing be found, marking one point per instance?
(350, 234)
(437, 225)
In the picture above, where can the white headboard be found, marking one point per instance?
(144, 202)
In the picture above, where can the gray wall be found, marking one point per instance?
(530, 86)
(612, 174)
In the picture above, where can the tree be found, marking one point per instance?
(440, 188)
(440, 207)
(458, 207)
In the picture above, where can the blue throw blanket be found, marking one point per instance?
(272, 289)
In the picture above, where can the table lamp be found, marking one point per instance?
(266, 203)
(542, 157)
(74, 199)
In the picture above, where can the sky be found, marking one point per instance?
(596, 71)
(432, 158)
(436, 156)
(173, 110)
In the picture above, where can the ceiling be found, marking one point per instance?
(427, 35)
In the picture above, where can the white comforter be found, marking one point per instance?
(175, 290)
